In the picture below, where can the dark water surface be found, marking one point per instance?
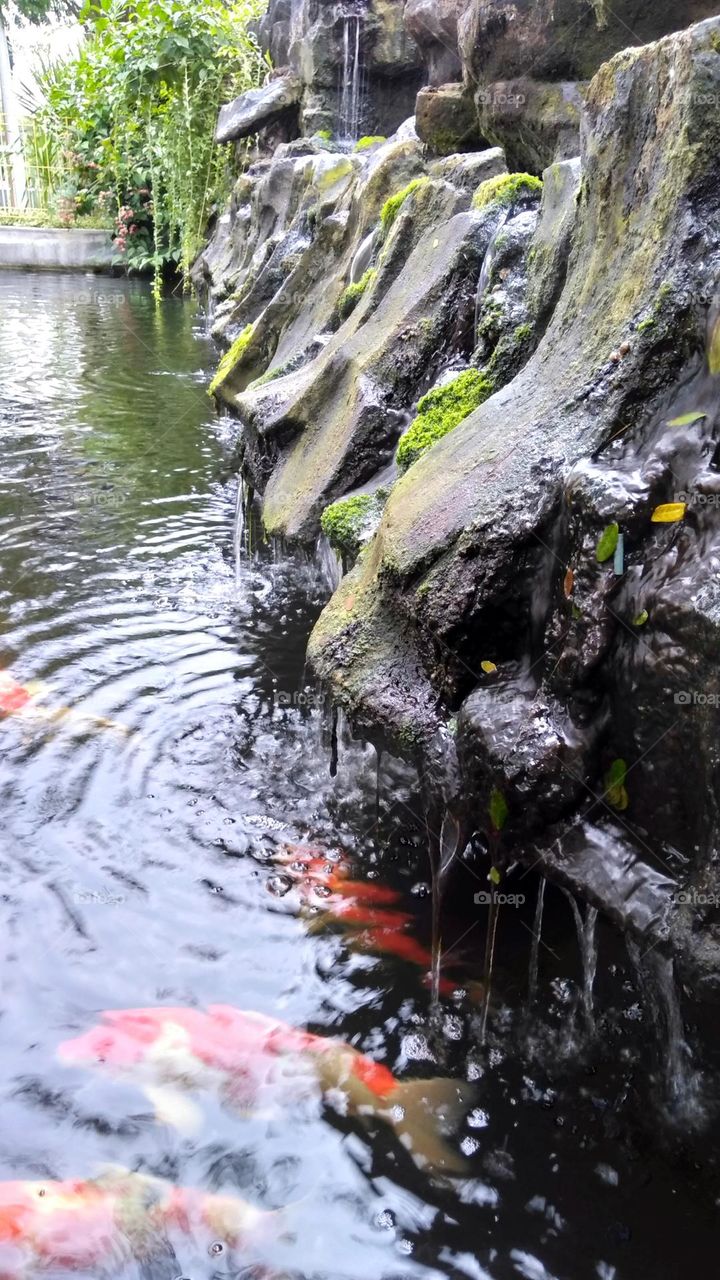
(137, 863)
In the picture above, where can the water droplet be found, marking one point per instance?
(279, 885)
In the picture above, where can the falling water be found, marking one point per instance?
(486, 270)
(535, 949)
(239, 527)
(352, 75)
(587, 941)
(680, 1082)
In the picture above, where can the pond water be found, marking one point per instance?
(171, 751)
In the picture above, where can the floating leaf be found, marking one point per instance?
(641, 618)
(489, 668)
(615, 789)
(669, 513)
(569, 582)
(607, 544)
(686, 419)
(576, 613)
(495, 875)
(498, 809)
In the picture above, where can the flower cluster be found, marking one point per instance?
(126, 227)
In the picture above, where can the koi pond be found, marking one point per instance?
(216, 1022)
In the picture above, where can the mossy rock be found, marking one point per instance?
(440, 411)
(231, 359)
(392, 207)
(346, 523)
(367, 144)
(507, 190)
(354, 292)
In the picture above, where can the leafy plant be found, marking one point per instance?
(132, 117)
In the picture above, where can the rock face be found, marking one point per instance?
(433, 25)
(490, 544)
(536, 619)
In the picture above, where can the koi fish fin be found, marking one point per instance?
(175, 1109)
(422, 1111)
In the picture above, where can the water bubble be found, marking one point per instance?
(421, 890)
(322, 891)
(385, 1220)
(216, 1248)
(279, 885)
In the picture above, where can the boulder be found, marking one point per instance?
(446, 120)
(257, 108)
(550, 248)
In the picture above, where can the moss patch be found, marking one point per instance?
(344, 522)
(231, 358)
(440, 411)
(365, 144)
(392, 207)
(506, 190)
(354, 292)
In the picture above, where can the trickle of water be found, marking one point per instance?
(486, 270)
(679, 1080)
(535, 949)
(587, 942)
(352, 77)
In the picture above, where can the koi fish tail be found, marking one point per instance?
(424, 1113)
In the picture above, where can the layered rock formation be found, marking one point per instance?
(535, 618)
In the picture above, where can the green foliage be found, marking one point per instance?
(607, 544)
(232, 358)
(440, 411)
(132, 118)
(506, 190)
(41, 10)
(354, 292)
(343, 522)
(47, 218)
(394, 204)
(366, 144)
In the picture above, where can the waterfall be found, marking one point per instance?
(239, 528)
(352, 77)
(587, 942)
(679, 1081)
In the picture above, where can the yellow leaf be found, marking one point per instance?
(495, 875)
(714, 349)
(669, 513)
(488, 667)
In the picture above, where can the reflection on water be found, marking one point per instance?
(159, 795)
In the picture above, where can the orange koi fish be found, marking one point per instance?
(26, 700)
(111, 1221)
(248, 1058)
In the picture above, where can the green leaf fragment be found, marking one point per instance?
(498, 809)
(686, 419)
(615, 790)
(607, 544)
(641, 618)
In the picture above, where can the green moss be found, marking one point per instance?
(325, 135)
(231, 358)
(394, 204)
(506, 190)
(522, 332)
(715, 41)
(343, 522)
(330, 177)
(373, 140)
(440, 411)
(354, 292)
